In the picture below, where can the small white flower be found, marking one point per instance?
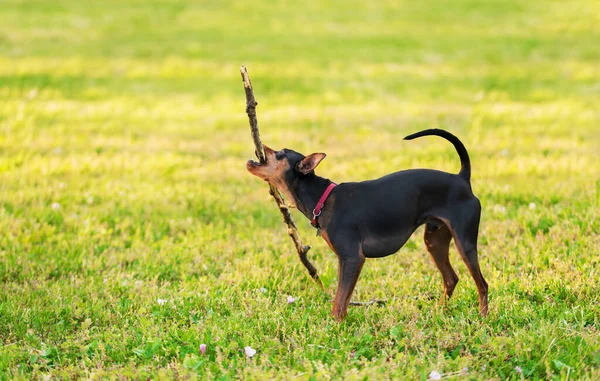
(263, 290)
(161, 301)
(55, 205)
(499, 209)
(435, 375)
(518, 369)
(250, 352)
(105, 280)
(290, 299)
(532, 205)
(90, 200)
(504, 152)
(484, 367)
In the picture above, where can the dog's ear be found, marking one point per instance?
(309, 163)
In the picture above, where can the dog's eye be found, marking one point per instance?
(279, 155)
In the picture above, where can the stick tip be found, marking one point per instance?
(245, 77)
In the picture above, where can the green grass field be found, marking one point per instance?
(131, 233)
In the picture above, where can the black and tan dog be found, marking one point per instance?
(375, 218)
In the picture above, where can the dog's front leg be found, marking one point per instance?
(350, 264)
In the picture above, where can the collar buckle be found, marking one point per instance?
(319, 208)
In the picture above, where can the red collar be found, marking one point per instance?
(319, 208)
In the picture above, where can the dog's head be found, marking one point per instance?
(283, 168)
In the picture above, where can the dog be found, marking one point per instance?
(375, 218)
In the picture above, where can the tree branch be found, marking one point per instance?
(260, 154)
(369, 303)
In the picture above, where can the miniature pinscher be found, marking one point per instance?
(375, 218)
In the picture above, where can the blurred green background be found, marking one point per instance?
(130, 231)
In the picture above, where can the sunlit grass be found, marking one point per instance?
(123, 142)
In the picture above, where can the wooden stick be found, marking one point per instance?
(260, 154)
(369, 303)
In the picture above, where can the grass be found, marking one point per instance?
(130, 231)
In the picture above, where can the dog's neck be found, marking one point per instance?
(307, 191)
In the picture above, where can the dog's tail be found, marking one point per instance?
(465, 170)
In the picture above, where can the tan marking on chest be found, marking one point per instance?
(326, 238)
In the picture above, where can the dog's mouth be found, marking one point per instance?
(253, 164)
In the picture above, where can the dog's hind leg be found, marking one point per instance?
(465, 230)
(437, 239)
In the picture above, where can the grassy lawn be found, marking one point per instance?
(131, 233)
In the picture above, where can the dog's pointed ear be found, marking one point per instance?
(309, 163)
